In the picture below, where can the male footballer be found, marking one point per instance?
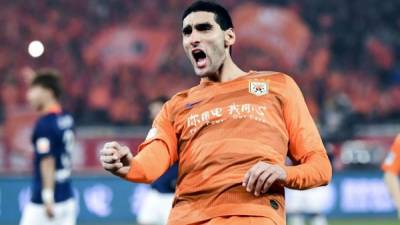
(230, 135)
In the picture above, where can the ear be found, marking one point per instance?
(230, 37)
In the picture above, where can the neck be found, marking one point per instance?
(51, 106)
(228, 71)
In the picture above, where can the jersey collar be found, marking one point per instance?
(56, 108)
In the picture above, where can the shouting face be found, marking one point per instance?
(205, 43)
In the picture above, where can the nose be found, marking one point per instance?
(194, 39)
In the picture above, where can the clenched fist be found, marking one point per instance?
(261, 176)
(115, 158)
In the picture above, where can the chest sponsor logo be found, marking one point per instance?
(258, 88)
(221, 114)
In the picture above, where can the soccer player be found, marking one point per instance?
(158, 200)
(230, 135)
(391, 168)
(53, 137)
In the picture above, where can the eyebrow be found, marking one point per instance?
(203, 26)
(200, 27)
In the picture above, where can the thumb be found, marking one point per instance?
(124, 151)
(125, 155)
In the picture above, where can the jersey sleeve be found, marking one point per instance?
(44, 140)
(392, 160)
(312, 167)
(157, 153)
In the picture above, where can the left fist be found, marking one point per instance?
(261, 176)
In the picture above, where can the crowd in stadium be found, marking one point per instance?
(347, 71)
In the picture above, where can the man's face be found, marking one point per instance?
(37, 96)
(204, 43)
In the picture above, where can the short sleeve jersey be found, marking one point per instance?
(53, 135)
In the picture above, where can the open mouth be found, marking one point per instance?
(200, 57)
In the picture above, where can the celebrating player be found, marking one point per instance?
(391, 167)
(53, 137)
(230, 135)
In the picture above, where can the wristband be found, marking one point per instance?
(48, 195)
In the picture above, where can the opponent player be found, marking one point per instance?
(158, 200)
(230, 135)
(391, 167)
(53, 136)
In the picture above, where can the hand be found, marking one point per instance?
(261, 176)
(49, 210)
(115, 158)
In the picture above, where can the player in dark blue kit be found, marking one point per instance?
(53, 139)
(158, 201)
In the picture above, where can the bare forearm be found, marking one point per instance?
(393, 184)
(47, 169)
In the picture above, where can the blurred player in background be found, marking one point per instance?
(391, 167)
(230, 135)
(158, 200)
(53, 137)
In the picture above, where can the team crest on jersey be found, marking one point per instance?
(258, 88)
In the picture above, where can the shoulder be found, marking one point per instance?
(279, 82)
(179, 99)
(65, 121)
(46, 121)
(274, 76)
(43, 133)
(179, 102)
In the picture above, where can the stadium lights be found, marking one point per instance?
(35, 48)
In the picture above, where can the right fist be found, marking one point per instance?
(115, 158)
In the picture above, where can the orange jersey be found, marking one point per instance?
(218, 131)
(392, 161)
